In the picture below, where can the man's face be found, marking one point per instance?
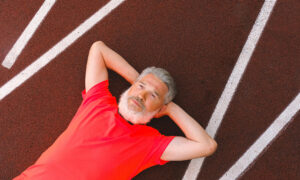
(139, 103)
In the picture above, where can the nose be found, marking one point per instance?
(142, 96)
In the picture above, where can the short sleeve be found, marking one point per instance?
(160, 147)
(151, 146)
(98, 92)
(157, 143)
(99, 88)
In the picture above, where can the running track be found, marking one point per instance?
(236, 64)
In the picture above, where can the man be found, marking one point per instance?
(110, 141)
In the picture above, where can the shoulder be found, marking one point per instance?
(99, 93)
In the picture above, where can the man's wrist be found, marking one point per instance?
(132, 78)
(171, 107)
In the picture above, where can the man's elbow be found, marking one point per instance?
(212, 147)
(97, 45)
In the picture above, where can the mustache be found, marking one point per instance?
(140, 101)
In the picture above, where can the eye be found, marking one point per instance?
(153, 96)
(141, 86)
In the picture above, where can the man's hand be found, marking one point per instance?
(165, 110)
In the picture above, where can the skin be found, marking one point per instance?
(197, 142)
(149, 92)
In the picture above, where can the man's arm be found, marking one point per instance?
(197, 142)
(102, 57)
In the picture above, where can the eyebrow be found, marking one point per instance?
(155, 92)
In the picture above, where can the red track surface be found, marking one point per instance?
(198, 42)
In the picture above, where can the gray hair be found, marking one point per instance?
(165, 77)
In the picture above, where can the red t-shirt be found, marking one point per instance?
(99, 144)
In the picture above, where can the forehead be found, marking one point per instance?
(156, 83)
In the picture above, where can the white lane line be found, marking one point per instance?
(47, 57)
(261, 144)
(27, 34)
(232, 83)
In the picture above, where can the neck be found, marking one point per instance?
(124, 118)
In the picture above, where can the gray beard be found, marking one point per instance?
(133, 116)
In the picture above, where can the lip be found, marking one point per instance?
(135, 102)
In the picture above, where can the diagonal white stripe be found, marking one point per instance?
(27, 34)
(232, 83)
(47, 57)
(263, 141)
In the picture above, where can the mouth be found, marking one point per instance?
(136, 103)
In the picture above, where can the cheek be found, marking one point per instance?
(154, 105)
(131, 91)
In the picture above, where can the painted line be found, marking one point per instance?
(261, 144)
(27, 34)
(232, 83)
(47, 57)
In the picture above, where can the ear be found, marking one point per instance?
(160, 109)
(161, 112)
(163, 108)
